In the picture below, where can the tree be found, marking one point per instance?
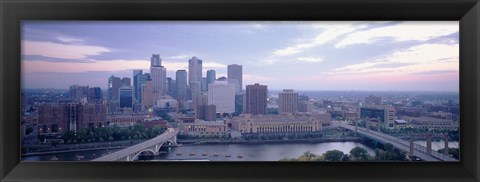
(359, 153)
(333, 155)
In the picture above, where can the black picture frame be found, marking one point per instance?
(12, 12)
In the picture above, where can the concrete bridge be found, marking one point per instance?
(153, 145)
(413, 149)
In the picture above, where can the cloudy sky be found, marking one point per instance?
(415, 56)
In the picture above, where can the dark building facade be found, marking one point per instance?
(55, 118)
(256, 99)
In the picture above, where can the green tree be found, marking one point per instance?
(359, 153)
(333, 155)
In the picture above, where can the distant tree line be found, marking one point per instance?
(115, 133)
(388, 153)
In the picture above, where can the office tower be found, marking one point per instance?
(257, 96)
(135, 82)
(206, 112)
(235, 72)
(126, 81)
(148, 96)
(211, 77)
(126, 97)
(181, 85)
(240, 103)
(155, 60)
(159, 78)
(195, 89)
(236, 83)
(136, 72)
(222, 95)
(95, 94)
(78, 92)
(287, 101)
(194, 70)
(114, 84)
(139, 80)
(204, 84)
(373, 100)
(171, 87)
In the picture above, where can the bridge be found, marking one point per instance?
(413, 149)
(153, 145)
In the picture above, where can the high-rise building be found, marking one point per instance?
(126, 81)
(256, 96)
(373, 100)
(171, 86)
(236, 83)
(194, 70)
(235, 72)
(287, 101)
(95, 94)
(155, 60)
(222, 95)
(149, 97)
(181, 84)
(211, 77)
(114, 84)
(204, 84)
(126, 97)
(240, 103)
(78, 92)
(139, 80)
(195, 89)
(159, 78)
(136, 72)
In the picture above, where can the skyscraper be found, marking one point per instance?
(114, 84)
(194, 70)
(256, 99)
(195, 89)
(171, 86)
(235, 72)
(287, 101)
(204, 84)
(95, 94)
(155, 60)
(126, 97)
(159, 78)
(78, 92)
(181, 84)
(222, 95)
(139, 80)
(126, 81)
(211, 77)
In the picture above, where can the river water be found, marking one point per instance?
(221, 152)
(231, 152)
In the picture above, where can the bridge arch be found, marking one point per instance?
(144, 150)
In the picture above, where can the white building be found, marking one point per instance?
(222, 95)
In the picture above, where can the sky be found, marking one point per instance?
(308, 55)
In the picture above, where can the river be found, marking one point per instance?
(220, 152)
(230, 152)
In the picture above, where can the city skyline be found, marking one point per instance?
(416, 56)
